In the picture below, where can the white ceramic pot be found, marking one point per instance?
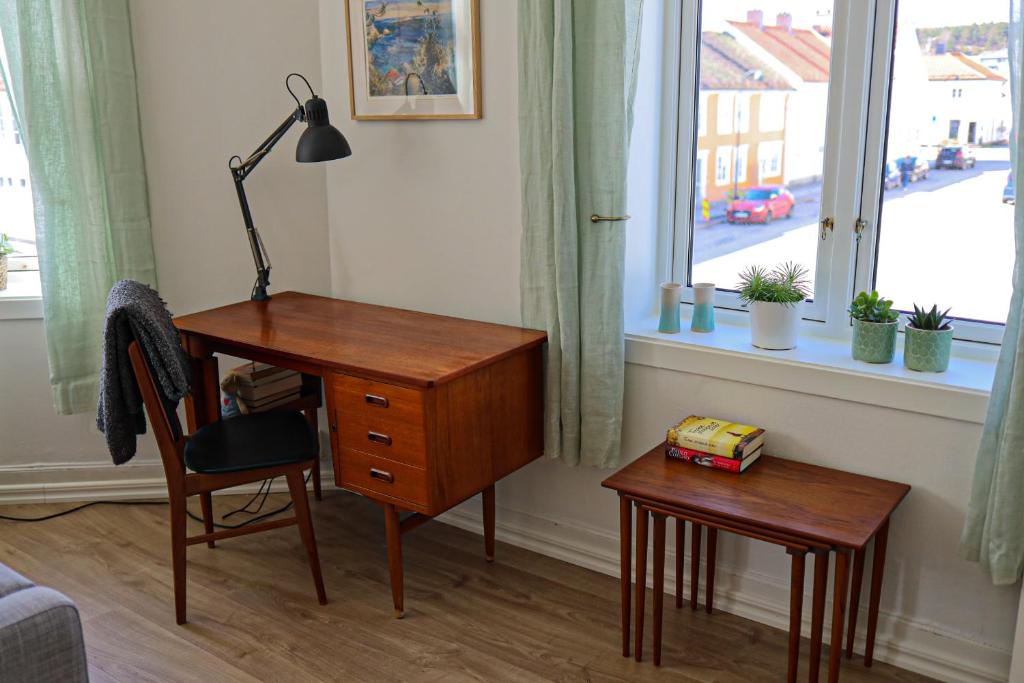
(773, 326)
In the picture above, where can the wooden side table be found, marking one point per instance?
(804, 508)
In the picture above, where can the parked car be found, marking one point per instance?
(761, 205)
(920, 171)
(955, 156)
(1009, 194)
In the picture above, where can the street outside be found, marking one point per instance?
(946, 239)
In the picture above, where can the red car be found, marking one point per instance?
(761, 205)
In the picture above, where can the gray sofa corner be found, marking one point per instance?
(40, 633)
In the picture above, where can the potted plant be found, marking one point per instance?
(929, 340)
(774, 298)
(874, 328)
(5, 250)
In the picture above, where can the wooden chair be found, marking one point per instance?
(223, 454)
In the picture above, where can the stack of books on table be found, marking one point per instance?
(719, 444)
(261, 387)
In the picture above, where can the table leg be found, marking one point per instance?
(839, 586)
(796, 604)
(312, 419)
(877, 569)
(818, 612)
(625, 565)
(659, 583)
(641, 580)
(393, 528)
(488, 502)
(202, 405)
(855, 584)
(695, 532)
(709, 590)
(680, 542)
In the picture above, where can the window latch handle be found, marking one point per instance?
(827, 225)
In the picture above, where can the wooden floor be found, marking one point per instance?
(253, 613)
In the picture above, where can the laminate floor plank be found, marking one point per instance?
(253, 613)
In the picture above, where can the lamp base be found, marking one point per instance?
(259, 293)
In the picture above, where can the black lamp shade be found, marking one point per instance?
(320, 141)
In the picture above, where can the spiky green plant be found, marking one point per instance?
(785, 284)
(5, 245)
(928, 320)
(872, 308)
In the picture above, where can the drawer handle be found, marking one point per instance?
(377, 437)
(374, 400)
(382, 475)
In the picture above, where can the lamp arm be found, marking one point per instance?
(239, 173)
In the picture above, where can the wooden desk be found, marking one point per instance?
(804, 508)
(425, 411)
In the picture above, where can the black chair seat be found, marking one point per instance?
(250, 442)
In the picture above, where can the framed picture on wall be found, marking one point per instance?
(413, 59)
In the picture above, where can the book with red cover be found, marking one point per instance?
(717, 462)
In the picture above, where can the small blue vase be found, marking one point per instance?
(703, 319)
(669, 321)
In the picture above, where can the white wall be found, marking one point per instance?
(431, 221)
(211, 84)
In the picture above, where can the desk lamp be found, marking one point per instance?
(319, 142)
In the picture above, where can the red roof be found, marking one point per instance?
(725, 65)
(956, 66)
(799, 49)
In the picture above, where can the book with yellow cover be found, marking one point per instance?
(717, 437)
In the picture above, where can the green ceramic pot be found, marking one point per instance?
(874, 342)
(927, 350)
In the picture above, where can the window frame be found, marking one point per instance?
(860, 70)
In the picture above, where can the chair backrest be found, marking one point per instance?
(168, 433)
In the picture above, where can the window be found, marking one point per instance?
(919, 206)
(16, 208)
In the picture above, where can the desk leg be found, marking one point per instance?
(695, 531)
(818, 612)
(488, 501)
(877, 569)
(659, 583)
(839, 587)
(625, 565)
(314, 424)
(202, 406)
(393, 528)
(709, 590)
(796, 605)
(680, 542)
(855, 584)
(641, 581)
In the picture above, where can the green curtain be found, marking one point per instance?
(71, 76)
(577, 78)
(994, 531)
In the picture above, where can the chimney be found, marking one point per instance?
(784, 21)
(756, 17)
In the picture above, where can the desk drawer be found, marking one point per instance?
(394, 479)
(380, 419)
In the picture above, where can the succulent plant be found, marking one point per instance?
(871, 308)
(5, 245)
(928, 320)
(785, 284)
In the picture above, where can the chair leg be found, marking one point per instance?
(206, 501)
(297, 488)
(178, 516)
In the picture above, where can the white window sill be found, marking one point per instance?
(22, 298)
(822, 366)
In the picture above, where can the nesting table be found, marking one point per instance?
(802, 508)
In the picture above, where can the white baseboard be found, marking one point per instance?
(902, 641)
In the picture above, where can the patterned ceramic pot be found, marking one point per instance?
(927, 350)
(874, 342)
(3, 273)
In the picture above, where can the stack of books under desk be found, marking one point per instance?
(718, 444)
(260, 387)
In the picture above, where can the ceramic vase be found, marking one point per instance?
(774, 326)
(670, 298)
(927, 350)
(874, 342)
(703, 319)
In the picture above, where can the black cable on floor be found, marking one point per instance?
(82, 507)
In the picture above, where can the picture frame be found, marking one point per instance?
(413, 59)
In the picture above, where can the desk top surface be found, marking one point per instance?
(379, 342)
(807, 501)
